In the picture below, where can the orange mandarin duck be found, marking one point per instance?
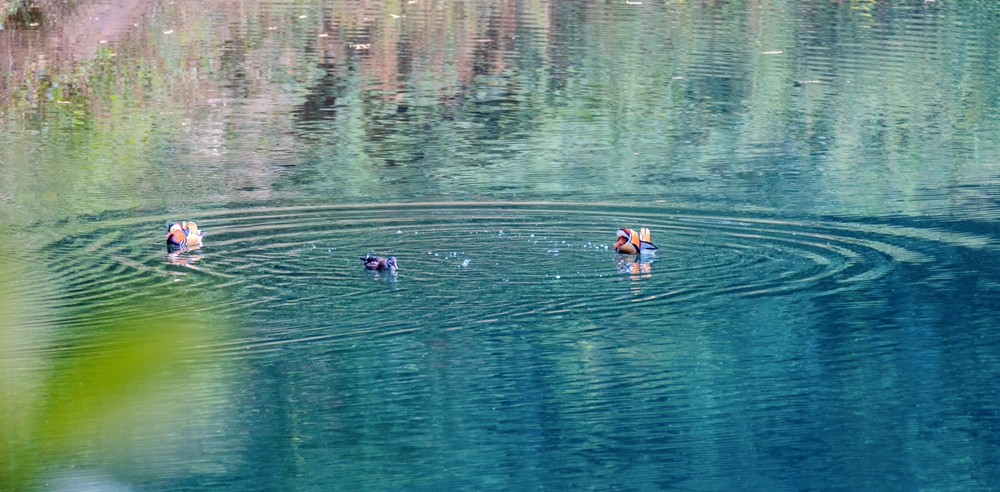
(634, 243)
(379, 263)
(183, 235)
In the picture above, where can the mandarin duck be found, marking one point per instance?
(634, 243)
(379, 263)
(183, 235)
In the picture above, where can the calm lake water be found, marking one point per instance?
(822, 179)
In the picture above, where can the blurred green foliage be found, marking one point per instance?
(82, 393)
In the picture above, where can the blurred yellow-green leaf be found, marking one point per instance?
(115, 393)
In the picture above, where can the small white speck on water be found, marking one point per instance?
(558, 277)
(532, 235)
(399, 231)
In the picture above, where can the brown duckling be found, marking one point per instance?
(379, 263)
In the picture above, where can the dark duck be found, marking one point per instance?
(634, 243)
(379, 263)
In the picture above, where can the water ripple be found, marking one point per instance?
(475, 265)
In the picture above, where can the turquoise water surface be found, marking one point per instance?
(821, 179)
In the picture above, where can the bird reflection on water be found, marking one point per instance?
(183, 258)
(637, 266)
(384, 275)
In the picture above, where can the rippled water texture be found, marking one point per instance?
(820, 178)
(513, 347)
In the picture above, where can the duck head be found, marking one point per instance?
(175, 234)
(623, 235)
(628, 241)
